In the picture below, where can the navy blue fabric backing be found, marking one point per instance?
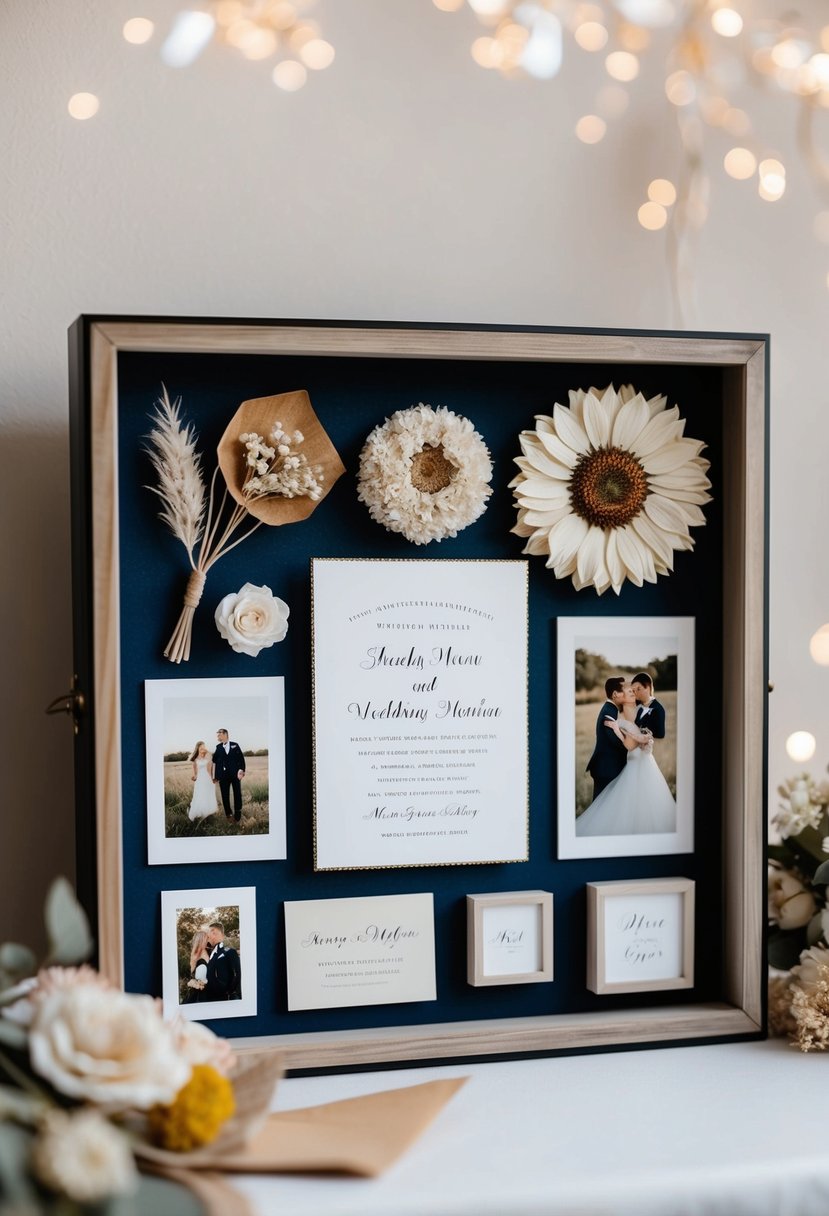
(351, 396)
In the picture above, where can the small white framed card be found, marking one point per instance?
(509, 938)
(377, 950)
(208, 953)
(640, 935)
(215, 770)
(420, 712)
(625, 736)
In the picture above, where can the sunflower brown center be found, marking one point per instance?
(430, 470)
(608, 487)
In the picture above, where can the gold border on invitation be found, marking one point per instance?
(420, 865)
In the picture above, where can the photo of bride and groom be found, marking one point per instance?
(630, 793)
(625, 736)
(208, 952)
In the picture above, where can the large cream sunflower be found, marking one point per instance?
(609, 488)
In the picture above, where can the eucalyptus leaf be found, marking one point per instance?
(16, 962)
(15, 1184)
(12, 1035)
(67, 926)
(814, 930)
(785, 946)
(821, 874)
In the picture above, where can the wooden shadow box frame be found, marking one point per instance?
(96, 345)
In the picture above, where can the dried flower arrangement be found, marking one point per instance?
(275, 480)
(798, 913)
(425, 473)
(609, 488)
(95, 1084)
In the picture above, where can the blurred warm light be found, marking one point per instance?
(138, 30)
(289, 75)
(448, 6)
(591, 36)
(300, 34)
(740, 163)
(737, 122)
(824, 37)
(83, 106)
(714, 110)
(317, 54)
(652, 216)
(187, 39)
(680, 88)
(772, 169)
(662, 191)
(771, 189)
(591, 129)
(633, 37)
(488, 8)
(821, 230)
(227, 11)
(259, 44)
(622, 65)
(583, 13)
(801, 746)
(727, 22)
(819, 65)
(612, 101)
(542, 55)
(819, 646)
(487, 52)
(653, 14)
(789, 53)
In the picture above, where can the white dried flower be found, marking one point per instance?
(802, 806)
(81, 1155)
(100, 1045)
(199, 1045)
(425, 473)
(807, 971)
(280, 470)
(609, 488)
(252, 619)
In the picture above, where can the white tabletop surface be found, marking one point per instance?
(738, 1129)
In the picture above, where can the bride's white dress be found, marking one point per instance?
(637, 801)
(204, 793)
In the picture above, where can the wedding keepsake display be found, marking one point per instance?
(372, 729)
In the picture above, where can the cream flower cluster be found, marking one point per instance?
(425, 473)
(81, 1155)
(802, 806)
(279, 468)
(609, 488)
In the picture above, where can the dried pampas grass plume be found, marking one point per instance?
(177, 465)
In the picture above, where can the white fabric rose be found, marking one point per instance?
(108, 1047)
(805, 974)
(790, 903)
(82, 1156)
(199, 1045)
(252, 619)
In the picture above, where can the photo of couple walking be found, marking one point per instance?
(630, 793)
(210, 970)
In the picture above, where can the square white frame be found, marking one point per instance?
(475, 945)
(598, 896)
(571, 632)
(209, 897)
(188, 850)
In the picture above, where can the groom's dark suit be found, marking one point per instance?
(652, 717)
(224, 978)
(226, 768)
(610, 754)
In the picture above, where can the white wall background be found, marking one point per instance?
(403, 183)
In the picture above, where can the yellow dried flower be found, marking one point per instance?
(196, 1115)
(810, 1010)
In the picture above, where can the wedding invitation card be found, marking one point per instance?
(378, 950)
(420, 712)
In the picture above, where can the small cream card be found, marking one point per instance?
(420, 712)
(640, 935)
(377, 950)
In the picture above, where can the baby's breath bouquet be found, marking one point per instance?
(275, 464)
(95, 1084)
(798, 909)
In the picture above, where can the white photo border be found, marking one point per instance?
(173, 902)
(189, 850)
(475, 946)
(573, 633)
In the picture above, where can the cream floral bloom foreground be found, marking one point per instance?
(609, 488)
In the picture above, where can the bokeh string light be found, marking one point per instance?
(714, 48)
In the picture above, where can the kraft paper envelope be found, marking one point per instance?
(361, 1136)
